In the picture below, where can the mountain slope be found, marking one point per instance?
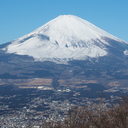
(65, 38)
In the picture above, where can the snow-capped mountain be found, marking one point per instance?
(65, 38)
(66, 48)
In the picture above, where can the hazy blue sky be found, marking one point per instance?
(19, 17)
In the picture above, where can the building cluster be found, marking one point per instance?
(40, 109)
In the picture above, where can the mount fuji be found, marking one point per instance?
(66, 48)
(65, 63)
(66, 38)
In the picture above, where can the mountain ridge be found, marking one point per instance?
(64, 38)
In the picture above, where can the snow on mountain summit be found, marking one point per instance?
(64, 38)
